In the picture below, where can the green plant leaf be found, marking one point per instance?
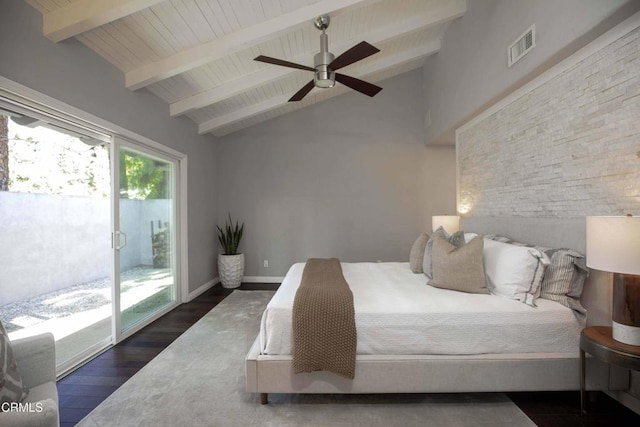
(230, 236)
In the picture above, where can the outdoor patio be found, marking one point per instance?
(80, 315)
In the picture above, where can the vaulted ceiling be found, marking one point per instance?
(197, 55)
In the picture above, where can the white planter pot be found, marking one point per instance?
(230, 269)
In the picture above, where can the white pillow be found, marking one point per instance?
(514, 272)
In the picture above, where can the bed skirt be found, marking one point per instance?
(435, 374)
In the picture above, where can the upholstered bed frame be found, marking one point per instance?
(474, 373)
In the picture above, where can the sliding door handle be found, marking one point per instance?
(121, 240)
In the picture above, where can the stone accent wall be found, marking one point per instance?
(568, 148)
(4, 153)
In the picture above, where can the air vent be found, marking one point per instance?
(521, 46)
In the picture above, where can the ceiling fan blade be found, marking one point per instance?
(359, 85)
(281, 62)
(360, 51)
(302, 92)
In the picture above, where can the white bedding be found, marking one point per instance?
(397, 313)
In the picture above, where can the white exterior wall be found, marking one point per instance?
(50, 242)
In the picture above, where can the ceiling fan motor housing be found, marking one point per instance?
(322, 22)
(324, 77)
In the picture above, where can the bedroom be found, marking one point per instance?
(319, 181)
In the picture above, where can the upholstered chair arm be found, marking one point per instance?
(36, 358)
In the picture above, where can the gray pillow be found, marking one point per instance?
(459, 268)
(456, 239)
(564, 279)
(416, 256)
(11, 388)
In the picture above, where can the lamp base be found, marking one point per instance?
(626, 334)
(626, 308)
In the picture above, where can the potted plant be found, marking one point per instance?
(230, 263)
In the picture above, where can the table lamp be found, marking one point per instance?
(613, 245)
(451, 223)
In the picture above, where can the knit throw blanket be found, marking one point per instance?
(324, 326)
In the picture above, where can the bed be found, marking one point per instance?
(413, 338)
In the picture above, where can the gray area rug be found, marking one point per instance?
(199, 381)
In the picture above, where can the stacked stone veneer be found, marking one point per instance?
(568, 148)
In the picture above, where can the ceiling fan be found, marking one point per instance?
(326, 64)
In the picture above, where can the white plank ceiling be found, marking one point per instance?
(197, 55)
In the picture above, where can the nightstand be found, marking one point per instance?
(598, 342)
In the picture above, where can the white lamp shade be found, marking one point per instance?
(613, 244)
(451, 223)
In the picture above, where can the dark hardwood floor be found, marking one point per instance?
(552, 409)
(85, 388)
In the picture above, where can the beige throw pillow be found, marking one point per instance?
(456, 239)
(416, 255)
(458, 268)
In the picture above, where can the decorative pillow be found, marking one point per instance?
(564, 277)
(416, 256)
(458, 268)
(456, 239)
(11, 388)
(469, 236)
(514, 272)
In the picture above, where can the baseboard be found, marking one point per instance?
(262, 279)
(248, 279)
(202, 289)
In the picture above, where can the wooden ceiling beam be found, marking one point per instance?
(84, 15)
(447, 12)
(230, 43)
(382, 64)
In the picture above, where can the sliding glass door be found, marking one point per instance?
(144, 239)
(90, 230)
(55, 191)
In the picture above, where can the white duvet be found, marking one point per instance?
(397, 313)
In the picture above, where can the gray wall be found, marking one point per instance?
(348, 178)
(72, 73)
(470, 71)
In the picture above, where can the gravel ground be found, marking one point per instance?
(74, 299)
